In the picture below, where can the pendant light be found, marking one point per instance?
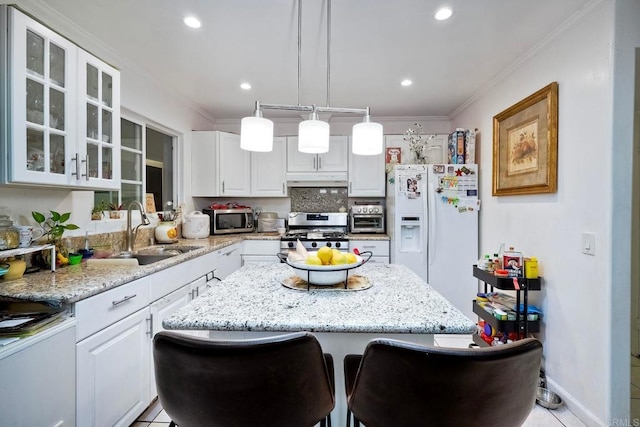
(367, 138)
(256, 132)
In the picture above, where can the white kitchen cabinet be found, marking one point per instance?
(45, 143)
(379, 248)
(260, 252)
(38, 379)
(160, 309)
(234, 165)
(113, 355)
(269, 170)
(113, 373)
(219, 167)
(98, 123)
(228, 260)
(335, 160)
(366, 175)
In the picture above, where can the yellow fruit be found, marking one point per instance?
(313, 260)
(351, 258)
(325, 254)
(338, 259)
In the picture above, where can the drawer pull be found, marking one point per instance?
(125, 299)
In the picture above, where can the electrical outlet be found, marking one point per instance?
(589, 243)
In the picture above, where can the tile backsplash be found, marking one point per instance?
(314, 199)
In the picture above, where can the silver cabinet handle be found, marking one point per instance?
(319, 163)
(125, 299)
(86, 167)
(315, 159)
(350, 186)
(222, 187)
(150, 320)
(283, 190)
(77, 172)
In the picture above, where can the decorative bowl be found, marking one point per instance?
(324, 275)
(548, 399)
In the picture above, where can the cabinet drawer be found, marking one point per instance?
(378, 247)
(100, 311)
(261, 247)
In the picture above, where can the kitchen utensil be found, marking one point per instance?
(196, 225)
(166, 232)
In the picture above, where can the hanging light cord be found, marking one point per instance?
(328, 52)
(299, 46)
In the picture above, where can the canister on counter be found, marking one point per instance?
(531, 268)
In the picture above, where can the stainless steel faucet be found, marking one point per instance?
(132, 232)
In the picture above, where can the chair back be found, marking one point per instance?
(275, 381)
(403, 384)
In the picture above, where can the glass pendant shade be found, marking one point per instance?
(256, 134)
(367, 138)
(313, 136)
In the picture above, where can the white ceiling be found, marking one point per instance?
(374, 45)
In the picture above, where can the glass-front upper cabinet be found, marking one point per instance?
(99, 121)
(43, 100)
(64, 110)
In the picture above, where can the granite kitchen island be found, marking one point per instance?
(253, 302)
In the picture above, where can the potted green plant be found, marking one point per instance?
(53, 227)
(115, 211)
(98, 210)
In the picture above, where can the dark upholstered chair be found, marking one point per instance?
(400, 384)
(276, 381)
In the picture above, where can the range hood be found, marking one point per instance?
(315, 179)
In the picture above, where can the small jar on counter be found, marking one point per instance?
(9, 235)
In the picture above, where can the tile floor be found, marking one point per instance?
(155, 416)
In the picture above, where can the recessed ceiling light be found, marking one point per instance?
(443, 13)
(406, 82)
(192, 21)
(245, 86)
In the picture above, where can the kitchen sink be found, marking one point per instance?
(154, 253)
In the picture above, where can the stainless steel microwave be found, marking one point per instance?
(227, 221)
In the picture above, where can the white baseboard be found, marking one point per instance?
(576, 408)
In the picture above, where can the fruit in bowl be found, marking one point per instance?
(324, 267)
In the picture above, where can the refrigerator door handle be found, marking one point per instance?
(431, 236)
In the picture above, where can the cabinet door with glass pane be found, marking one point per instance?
(99, 123)
(43, 97)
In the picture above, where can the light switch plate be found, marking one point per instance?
(589, 243)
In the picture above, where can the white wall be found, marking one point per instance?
(577, 288)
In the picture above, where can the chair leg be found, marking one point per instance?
(356, 422)
(323, 422)
(329, 420)
(172, 424)
(348, 417)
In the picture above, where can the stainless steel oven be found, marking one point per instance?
(366, 219)
(315, 230)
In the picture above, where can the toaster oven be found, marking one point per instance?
(366, 219)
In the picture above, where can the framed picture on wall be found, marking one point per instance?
(525, 145)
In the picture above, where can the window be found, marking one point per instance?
(146, 166)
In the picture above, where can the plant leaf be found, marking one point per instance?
(38, 217)
(55, 216)
(64, 217)
(70, 227)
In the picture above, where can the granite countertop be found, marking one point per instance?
(73, 283)
(254, 299)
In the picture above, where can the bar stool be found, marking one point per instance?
(271, 382)
(396, 383)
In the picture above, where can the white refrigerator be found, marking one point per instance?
(432, 213)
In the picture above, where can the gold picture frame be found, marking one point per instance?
(525, 145)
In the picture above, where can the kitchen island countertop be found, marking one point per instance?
(254, 299)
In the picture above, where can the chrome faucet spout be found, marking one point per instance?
(133, 231)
